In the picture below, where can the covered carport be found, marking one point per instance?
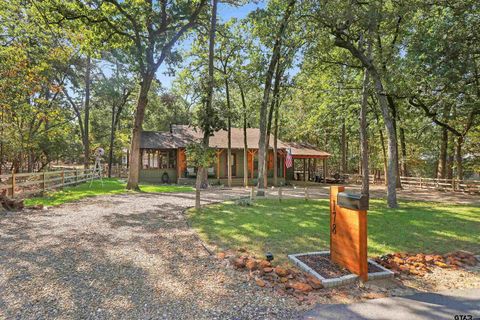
(308, 162)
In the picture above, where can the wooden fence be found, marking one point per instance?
(26, 184)
(467, 186)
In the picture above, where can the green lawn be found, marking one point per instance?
(87, 189)
(295, 226)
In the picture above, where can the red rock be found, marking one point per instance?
(282, 272)
(268, 269)
(398, 260)
(302, 287)
(260, 282)
(314, 282)
(265, 264)
(404, 268)
(239, 263)
(415, 272)
(373, 295)
(221, 255)
(251, 264)
(429, 258)
(471, 261)
(283, 280)
(441, 264)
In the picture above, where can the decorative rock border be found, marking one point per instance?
(335, 282)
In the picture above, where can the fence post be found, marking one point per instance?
(421, 183)
(252, 193)
(306, 193)
(63, 177)
(280, 194)
(76, 176)
(13, 183)
(453, 184)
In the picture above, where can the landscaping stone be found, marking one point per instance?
(260, 282)
(301, 286)
(251, 264)
(282, 272)
(264, 264)
(419, 264)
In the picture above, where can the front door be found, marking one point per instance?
(233, 162)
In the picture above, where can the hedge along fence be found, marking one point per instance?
(27, 184)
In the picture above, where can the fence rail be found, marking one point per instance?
(467, 186)
(26, 184)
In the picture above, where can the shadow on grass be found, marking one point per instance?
(294, 226)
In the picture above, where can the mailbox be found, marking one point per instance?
(352, 201)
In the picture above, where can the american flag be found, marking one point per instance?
(288, 159)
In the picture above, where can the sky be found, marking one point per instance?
(225, 12)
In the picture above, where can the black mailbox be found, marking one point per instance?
(352, 201)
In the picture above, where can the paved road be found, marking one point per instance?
(421, 306)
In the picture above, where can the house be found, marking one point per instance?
(163, 157)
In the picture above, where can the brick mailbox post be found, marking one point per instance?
(348, 231)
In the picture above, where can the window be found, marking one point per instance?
(158, 159)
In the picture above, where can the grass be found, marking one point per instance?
(87, 189)
(295, 226)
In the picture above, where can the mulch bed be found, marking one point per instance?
(325, 267)
(328, 269)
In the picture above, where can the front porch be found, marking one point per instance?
(218, 173)
(236, 182)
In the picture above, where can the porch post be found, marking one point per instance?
(325, 170)
(304, 171)
(252, 166)
(309, 168)
(219, 152)
(178, 165)
(284, 168)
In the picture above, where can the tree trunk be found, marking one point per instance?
(458, 157)
(394, 117)
(364, 137)
(450, 156)
(392, 141)
(403, 145)
(86, 128)
(387, 117)
(273, 107)
(245, 143)
(135, 161)
(229, 146)
(442, 157)
(202, 175)
(275, 149)
(262, 151)
(343, 167)
(112, 138)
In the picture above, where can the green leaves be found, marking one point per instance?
(198, 155)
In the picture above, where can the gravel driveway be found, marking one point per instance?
(126, 256)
